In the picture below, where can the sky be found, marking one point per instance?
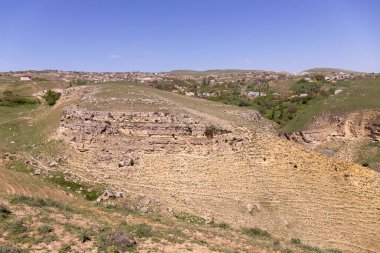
(164, 35)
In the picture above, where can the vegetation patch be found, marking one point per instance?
(38, 202)
(87, 192)
(10, 99)
(210, 131)
(51, 97)
(190, 218)
(7, 248)
(256, 232)
(115, 241)
(4, 211)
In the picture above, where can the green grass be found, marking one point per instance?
(370, 154)
(190, 218)
(59, 178)
(39, 202)
(361, 94)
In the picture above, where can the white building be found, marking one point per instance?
(25, 78)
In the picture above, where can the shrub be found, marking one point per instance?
(365, 164)
(295, 241)
(51, 97)
(115, 241)
(4, 211)
(84, 236)
(65, 248)
(210, 131)
(223, 225)
(254, 232)
(143, 230)
(44, 229)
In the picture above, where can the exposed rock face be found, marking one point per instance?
(374, 131)
(327, 127)
(121, 137)
(145, 124)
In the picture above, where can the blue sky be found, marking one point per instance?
(162, 35)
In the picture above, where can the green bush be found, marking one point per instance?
(210, 131)
(256, 232)
(51, 97)
(295, 241)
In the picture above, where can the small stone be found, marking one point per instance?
(144, 209)
(118, 194)
(258, 206)
(170, 211)
(249, 208)
(145, 201)
(121, 164)
(53, 163)
(37, 172)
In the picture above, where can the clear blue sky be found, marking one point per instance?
(162, 35)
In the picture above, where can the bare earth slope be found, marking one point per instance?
(151, 146)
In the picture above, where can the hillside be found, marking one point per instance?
(344, 125)
(330, 70)
(176, 158)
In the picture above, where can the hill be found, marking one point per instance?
(219, 174)
(330, 70)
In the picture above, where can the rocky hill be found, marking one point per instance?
(158, 153)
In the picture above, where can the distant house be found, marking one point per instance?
(25, 78)
(254, 94)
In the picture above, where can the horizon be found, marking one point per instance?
(147, 36)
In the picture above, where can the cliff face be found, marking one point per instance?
(329, 127)
(144, 132)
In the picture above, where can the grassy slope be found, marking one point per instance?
(363, 94)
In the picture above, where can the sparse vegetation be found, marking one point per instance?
(38, 202)
(7, 248)
(116, 241)
(45, 229)
(190, 218)
(256, 232)
(10, 99)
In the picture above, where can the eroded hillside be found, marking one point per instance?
(152, 147)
